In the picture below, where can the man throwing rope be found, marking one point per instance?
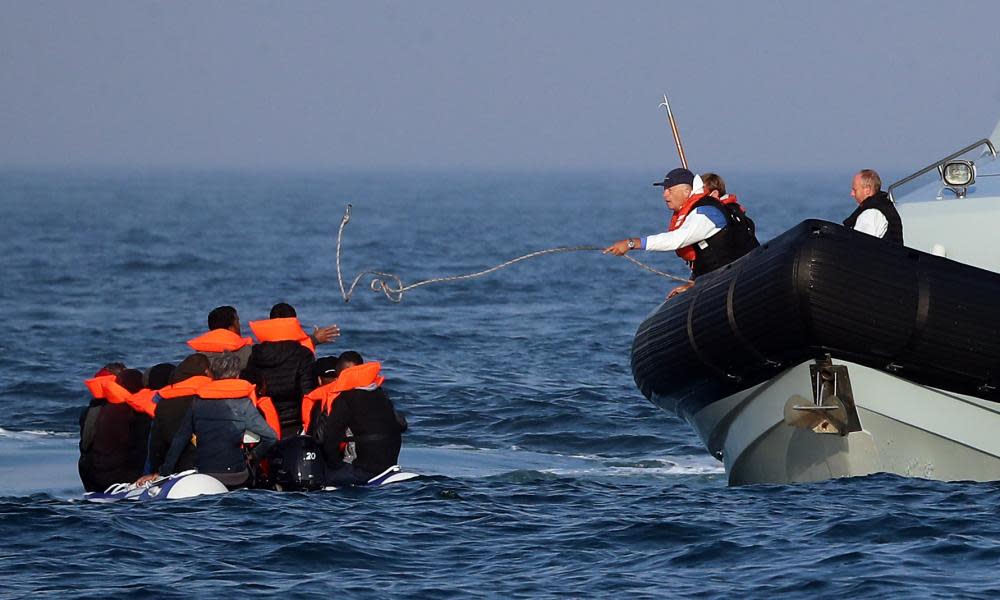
(703, 231)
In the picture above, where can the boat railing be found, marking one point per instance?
(938, 164)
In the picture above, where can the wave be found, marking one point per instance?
(34, 434)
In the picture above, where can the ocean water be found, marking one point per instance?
(544, 471)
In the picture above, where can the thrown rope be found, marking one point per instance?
(380, 283)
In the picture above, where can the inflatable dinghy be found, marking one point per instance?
(187, 484)
(190, 484)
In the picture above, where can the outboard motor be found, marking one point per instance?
(297, 464)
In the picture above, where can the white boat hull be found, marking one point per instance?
(906, 429)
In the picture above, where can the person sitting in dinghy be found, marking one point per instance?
(113, 430)
(284, 357)
(703, 230)
(356, 402)
(221, 413)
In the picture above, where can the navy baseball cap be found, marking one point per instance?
(676, 177)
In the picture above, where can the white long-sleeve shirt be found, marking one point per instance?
(872, 222)
(700, 224)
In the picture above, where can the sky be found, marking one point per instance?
(499, 85)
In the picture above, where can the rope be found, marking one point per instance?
(380, 283)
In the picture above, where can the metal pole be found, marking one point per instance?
(673, 129)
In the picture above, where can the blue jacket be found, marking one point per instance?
(218, 427)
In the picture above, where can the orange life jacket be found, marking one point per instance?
(282, 330)
(677, 219)
(228, 389)
(141, 401)
(266, 408)
(731, 199)
(219, 340)
(95, 385)
(351, 378)
(186, 387)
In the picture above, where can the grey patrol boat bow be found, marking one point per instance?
(830, 353)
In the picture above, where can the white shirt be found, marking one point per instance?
(700, 224)
(872, 222)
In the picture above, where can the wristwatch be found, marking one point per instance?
(631, 244)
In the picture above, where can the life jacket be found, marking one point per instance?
(677, 219)
(95, 385)
(266, 408)
(228, 389)
(186, 387)
(141, 401)
(219, 340)
(364, 375)
(730, 243)
(880, 201)
(282, 330)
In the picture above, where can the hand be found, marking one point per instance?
(146, 479)
(325, 335)
(619, 248)
(680, 289)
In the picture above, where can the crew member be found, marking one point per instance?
(218, 417)
(702, 230)
(875, 215)
(363, 407)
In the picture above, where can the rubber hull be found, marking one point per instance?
(822, 289)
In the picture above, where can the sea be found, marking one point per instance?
(544, 473)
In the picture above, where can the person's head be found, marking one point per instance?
(282, 311)
(677, 186)
(130, 379)
(193, 365)
(159, 375)
(865, 184)
(111, 369)
(224, 317)
(325, 369)
(715, 186)
(226, 366)
(349, 359)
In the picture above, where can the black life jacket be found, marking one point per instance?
(880, 202)
(733, 241)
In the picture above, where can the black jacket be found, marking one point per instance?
(170, 412)
(286, 367)
(218, 426)
(734, 240)
(880, 202)
(112, 444)
(374, 424)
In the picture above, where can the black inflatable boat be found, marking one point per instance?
(822, 289)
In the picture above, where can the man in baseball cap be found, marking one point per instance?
(702, 230)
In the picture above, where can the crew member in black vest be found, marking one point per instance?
(875, 215)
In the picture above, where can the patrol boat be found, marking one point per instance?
(829, 353)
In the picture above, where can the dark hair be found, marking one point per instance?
(282, 311)
(349, 359)
(221, 317)
(114, 368)
(159, 375)
(130, 379)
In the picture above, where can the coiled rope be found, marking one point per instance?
(381, 280)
